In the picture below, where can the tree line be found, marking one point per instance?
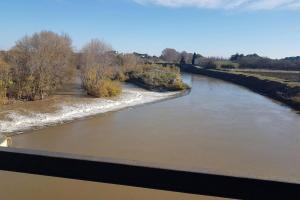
(255, 61)
(39, 64)
(251, 61)
(35, 66)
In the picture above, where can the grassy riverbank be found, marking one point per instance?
(158, 78)
(275, 87)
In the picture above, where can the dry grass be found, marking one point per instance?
(105, 88)
(280, 77)
(288, 76)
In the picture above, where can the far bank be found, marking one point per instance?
(287, 92)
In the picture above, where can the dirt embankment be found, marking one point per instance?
(284, 92)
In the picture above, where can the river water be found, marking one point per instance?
(219, 127)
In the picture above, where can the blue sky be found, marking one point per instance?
(210, 27)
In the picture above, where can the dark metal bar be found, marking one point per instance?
(108, 171)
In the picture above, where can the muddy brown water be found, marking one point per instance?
(219, 127)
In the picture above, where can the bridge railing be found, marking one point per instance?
(135, 174)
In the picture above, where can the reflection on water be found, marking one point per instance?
(218, 127)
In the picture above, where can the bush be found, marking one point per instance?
(158, 77)
(99, 70)
(120, 76)
(98, 85)
(104, 88)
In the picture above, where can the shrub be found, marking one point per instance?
(120, 76)
(99, 70)
(104, 88)
(159, 77)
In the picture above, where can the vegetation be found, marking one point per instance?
(5, 81)
(40, 64)
(225, 64)
(102, 87)
(97, 70)
(36, 66)
(159, 78)
(288, 76)
(170, 55)
(102, 70)
(251, 61)
(276, 78)
(254, 61)
(129, 63)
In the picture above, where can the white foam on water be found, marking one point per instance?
(17, 122)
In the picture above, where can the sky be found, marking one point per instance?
(210, 27)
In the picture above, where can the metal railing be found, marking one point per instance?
(134, 174)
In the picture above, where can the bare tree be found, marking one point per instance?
(95, 53)
(187, 57)
(40, 64)
(98, 69)
(129, 62)
(170, 55)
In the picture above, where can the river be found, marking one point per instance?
(219, 127)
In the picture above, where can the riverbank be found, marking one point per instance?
(157, 78)
(286, 92)
(71, 102)
(219, 127)
(62, 108)
(142, 84)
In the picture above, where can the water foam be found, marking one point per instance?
(15, 122)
